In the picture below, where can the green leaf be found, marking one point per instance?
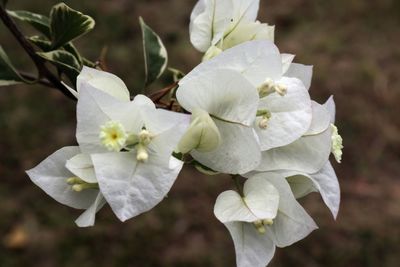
(39, 22)
(41, 42)
(72, 49)
(88, 63)
(64, 61)
(67, 24)
(8, 74)
(177, 75)
(155, 54)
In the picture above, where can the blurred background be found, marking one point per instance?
(354, 47)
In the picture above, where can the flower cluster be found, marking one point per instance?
(247, 112)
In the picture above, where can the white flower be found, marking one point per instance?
(226, 23)
(141, 170)
(266, 216)
(285, 100)
(103, 81)
(307, 154)
(58, 177)
(231, 101)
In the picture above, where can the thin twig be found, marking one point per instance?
(30, 50)
(157, 96)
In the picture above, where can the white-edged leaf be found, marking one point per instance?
(67, 24)
(155, 54)
(65, 61)
(8, 74)
(38, 21)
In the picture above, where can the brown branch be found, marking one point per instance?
(38, 61)
(157, 96)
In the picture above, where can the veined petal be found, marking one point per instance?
(245, 11)
(300, 185)
(260, 201)
(331, 107)
(292, 222)
(238, 152)
(291, 115)
(320, 119)
(208, 22)
(81, 166)
(287, 60)
(160, 120)
(301, 72)
(324, 181)
(261, 197)
(132, 188)
(94, 109)
(255, 60)
(308, 154)
(328, 185)
(224, 94)
(249, 31)
(88, 217)
(252, 248)
(230, 207)
(51, 176)
(103, 81)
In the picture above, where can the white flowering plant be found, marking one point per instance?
(245, 110)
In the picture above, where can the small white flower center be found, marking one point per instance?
(337, 144)
(264, 117)
(78, 185)
(144, 138)
(260, 225)
(269, 86)
(113, 136)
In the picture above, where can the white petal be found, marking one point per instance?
(230, 207)
(143, 102)
(291, 115)
(160, 120)
(208, 22)
(331, 107)
(132, 188)
(261, 197)
(328, 186)
(292, 223)
(238, 151)
(94, 109)
(51, 176)
(88, 217)
(324, 181)
(222, 93)
(81, 165)
(320, 119)
(104, 81)
(301, 185)
(302, 72)
(248, 32)
(256, 60)
(71, 90)
(308, 154)
(252, 248)
(287, 60)
(245, 11)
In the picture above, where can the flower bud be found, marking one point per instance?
(202, 134)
